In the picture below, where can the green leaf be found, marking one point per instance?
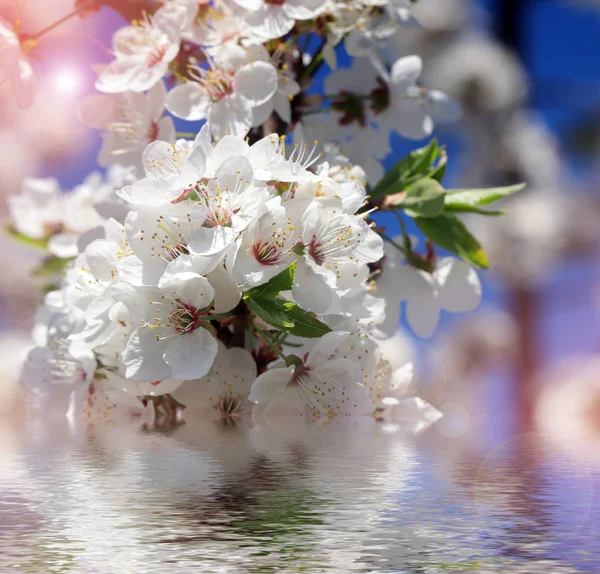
(414, 166)
(275, 286)
(452, 234)
(40, 244)
(462, 199)
(463, 208)
(424, 198)
(306, 323)
(51, 265)
(288, 317)
(440, 170)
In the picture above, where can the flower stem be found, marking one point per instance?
(249, 342)
(56, 24)
(392, 242)
(218, 316)
(269, 342)
(185, 135)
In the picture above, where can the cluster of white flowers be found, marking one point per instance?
(233, 267)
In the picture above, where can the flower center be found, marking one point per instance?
(219, 217)
(266, 253)
(153, 132)
(301, 372)
(157, 55)
(175, 251)
(316, 251)
(380, 97)
(185, 318)
(352, 109)
(229, 405)
(218, 84)
(275, 2)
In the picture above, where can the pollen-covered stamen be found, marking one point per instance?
(332, 243)
(150, 39)
(215, 81)
(185, 318)
(219, 216)
(170, 239)
(180, 248)
(303, 156)
(170, 164)
(273, 243)
(131, 127)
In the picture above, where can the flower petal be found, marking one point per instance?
(256, 82)
(188, 101)
(459, 285)
(269, 386)
(191, 355)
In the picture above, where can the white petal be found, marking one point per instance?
(227, 293)
(412, 124)
(283, 106)
(269, 386)
(302, 9)
(338, 389)
(459, 285)
(406, 71)
(155, 99)
(260, 114)
(423, 313)
(191, 355)
(188, 101)
(312, 289)
(269, 23)
(64, 245)
(190, 288)
(325, 347)
(143, 357)
(442, 108)
(116, 77)
(137, 272)
(211, 240)
(232, 115)
(249, 4)
(256, 82)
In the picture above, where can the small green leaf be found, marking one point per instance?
(288, 317)
(439, 171)
(39, 244)
(414, 166)
(424, 198)
(463, 208)
(51, 265)
(452, 234)
(270, 311)
(461, 199)
(275, 286)
(306, 323)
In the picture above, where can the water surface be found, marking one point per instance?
(252, 498)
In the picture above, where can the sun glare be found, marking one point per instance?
(66, 82)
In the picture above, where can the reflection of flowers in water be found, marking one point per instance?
(274, 496)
